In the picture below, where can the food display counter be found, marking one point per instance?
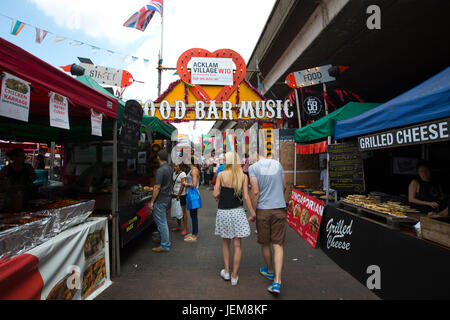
(134, 212)
(42, 220)
(73, 265)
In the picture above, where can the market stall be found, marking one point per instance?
(377, 231)
(44, 105)
(136, 176)
(309, 196)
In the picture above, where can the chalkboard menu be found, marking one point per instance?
(130, 132)
(346, 168)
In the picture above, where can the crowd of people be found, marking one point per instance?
(231, 179)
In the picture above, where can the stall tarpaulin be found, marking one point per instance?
(160, 129)
(43, 76)
(304, 215)
(324, 127)
(425, 102)
(72, 265)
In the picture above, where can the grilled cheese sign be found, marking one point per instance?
(422, 133)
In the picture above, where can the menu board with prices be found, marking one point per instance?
(130, 130)
(346, 168)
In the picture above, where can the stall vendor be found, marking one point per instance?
(17, 179)
(426, 195)
(324, 175)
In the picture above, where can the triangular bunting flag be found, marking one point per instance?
(40, 35)
(16, 27)
(59, 39)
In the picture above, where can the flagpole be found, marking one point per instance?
(160, 58)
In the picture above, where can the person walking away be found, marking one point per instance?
(231, 221)
(179, 193)
(268, 185)
(162, 196)
(192, 181)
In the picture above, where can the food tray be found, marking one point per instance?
(391, 221)
(22, 238)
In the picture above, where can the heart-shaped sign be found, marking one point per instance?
(197, 90)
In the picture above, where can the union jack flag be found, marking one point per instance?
(141, 19)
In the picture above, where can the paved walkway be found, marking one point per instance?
(191, 270)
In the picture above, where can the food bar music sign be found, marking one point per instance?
(421, 133)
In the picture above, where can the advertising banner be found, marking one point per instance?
(212, 71)
(59, 111)
(387, 261)
(96, 123)
(15, 98)
(73, 265)
(304, 215)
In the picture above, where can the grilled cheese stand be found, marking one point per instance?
(51, 248)
(375, 234)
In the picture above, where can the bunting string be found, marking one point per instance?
(41, 34)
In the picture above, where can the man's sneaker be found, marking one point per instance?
(274, 288)
(266, 273)
(224, 275)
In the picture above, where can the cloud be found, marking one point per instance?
(100, 19)
(212, 25)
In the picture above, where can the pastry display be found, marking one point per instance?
(376, 203)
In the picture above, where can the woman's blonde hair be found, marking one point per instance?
(233, 163)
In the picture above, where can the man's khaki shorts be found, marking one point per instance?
(271, 226)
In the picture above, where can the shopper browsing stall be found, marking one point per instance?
(179, 193)
(162, 196)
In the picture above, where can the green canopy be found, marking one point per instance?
(160, 129)
(324, 127)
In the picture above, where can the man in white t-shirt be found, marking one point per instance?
(324, 175)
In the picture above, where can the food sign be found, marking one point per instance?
(15, 98)
(59, 111)
(304, 215)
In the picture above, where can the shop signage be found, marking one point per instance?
(130, 131)
(304, 215)
(312, 107)
(438, 130)
(247, 110)
(96, 123)
(106, 75)
(15, 98)
(309, 77)
(59, 111)
(212, 71)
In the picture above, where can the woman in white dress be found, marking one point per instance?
(232, 225)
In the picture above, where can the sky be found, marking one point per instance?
(208, 24)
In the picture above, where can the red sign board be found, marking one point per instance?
(304, 215)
